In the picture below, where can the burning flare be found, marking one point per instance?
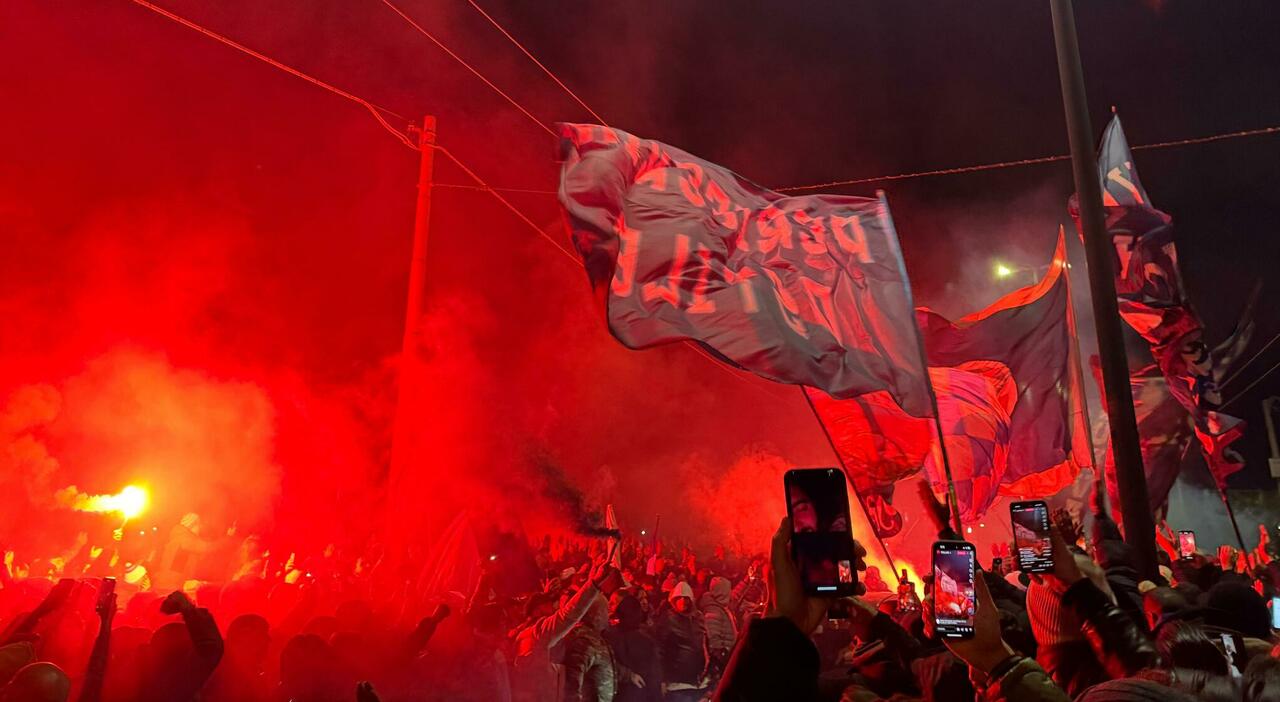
(128, 503)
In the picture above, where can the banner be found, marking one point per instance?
(802, 290)
(1010, 405)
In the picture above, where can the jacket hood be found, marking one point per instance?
(719, 591)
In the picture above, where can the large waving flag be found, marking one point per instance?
(1154, 304)
(1010, 404)
(803, 290)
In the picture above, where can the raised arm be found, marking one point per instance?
(96, 672)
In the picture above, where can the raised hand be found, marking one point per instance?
(106, 609)
(939, 512)
(602, 573)
(1098, 498)
(57, 597)
(1226, 557)
(1067, 527)
(441, 612)
(366, 693)
(177, 603)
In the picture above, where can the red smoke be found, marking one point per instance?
(202, 271)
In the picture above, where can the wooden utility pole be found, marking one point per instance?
(1131, 481)
(403, 441)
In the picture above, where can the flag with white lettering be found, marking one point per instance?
(803, 290)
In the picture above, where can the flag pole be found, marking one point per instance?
(1131, 481)
(952, 500)
(1226, 502)
(858, 496)
(1077, 367)
(942, 443)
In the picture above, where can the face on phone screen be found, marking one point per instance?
(1186, 544)
(821, 539)
(954, 601)
(1031, 536)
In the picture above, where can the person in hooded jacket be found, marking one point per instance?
(722, 629)
(682, 637)
(588, 661)
(635, 651)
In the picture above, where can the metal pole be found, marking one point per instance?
(400, 482)
(1222, 492)
(1130, 479)
(953, 502)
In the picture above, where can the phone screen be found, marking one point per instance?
(954, 598)
(1186, 544)
(105, 591)
(1275, 612)
(1031, 536)
(821, 530)
(1232, 648)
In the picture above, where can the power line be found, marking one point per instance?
(539, 64)
(1252, 358)
(377, 110)
(514, 210)
(922, 174)
(948, 171)
(468, 66)
(1022, 162)
(374, 109)
(1257, 380)
(1207, 139)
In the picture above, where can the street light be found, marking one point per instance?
(1003, 271)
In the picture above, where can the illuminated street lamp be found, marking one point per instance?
(1003, 271)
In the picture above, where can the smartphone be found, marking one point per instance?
(1186, 544)
(821, 530)
(1275, 612)
(1031, 536)
(105, 591)
(954, 598)
(1232, 647)
(997, 565)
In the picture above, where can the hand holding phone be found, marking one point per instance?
(787, 595)
(106, 605)
(984, 649)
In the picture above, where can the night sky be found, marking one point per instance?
(114, 115)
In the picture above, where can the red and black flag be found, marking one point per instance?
(1010, 405)
(1154, 304)
(802, 290)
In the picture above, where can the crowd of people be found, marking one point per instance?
(634, 619)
